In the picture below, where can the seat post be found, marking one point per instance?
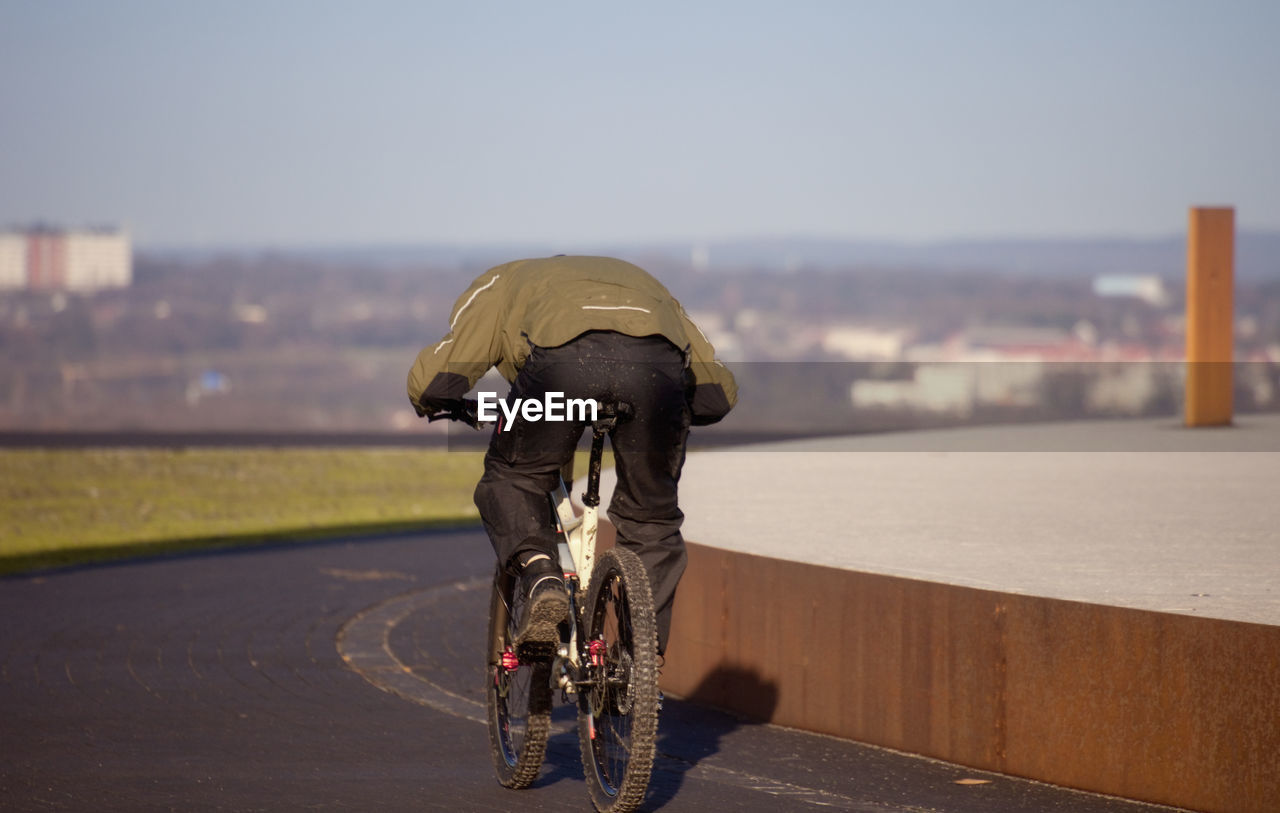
(592, 496)
(610, 414)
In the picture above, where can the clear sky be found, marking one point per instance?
(305, 122)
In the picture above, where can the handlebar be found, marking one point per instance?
(463, 409)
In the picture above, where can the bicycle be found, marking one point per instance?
(607, 656)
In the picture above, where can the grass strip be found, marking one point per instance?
(71, 557)
(60, 507)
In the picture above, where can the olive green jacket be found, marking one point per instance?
(512, 308)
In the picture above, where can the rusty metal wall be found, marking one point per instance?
(1154, 706)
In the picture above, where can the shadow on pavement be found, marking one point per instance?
(690, 732)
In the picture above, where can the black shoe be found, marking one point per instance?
(546, 606)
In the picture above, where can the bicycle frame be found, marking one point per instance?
(578, 534)
(578, 543)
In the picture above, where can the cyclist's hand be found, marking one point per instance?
(467, 412)
(455, 409)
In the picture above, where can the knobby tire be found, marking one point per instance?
(519, 700)
(618, 710)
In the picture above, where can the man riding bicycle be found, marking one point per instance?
(578, 328)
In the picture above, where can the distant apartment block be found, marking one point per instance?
(45, 259)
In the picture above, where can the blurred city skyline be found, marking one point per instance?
(297, 124)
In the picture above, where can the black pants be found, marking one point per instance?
(524, 461)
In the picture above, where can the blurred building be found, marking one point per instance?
(1146, 287)
(48, 259)
(862, 343)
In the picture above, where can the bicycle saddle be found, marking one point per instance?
(611, 414)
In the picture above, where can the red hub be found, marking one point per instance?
(510, 661)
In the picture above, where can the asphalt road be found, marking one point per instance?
(346, 676)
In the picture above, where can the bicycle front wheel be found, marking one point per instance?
(618, 706)
(518, 693)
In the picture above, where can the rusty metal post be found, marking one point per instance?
(1210, 315)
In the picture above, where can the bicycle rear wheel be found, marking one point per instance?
(618, 707)
(518, 693)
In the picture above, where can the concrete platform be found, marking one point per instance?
(1127, 513)
(1095, 605)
